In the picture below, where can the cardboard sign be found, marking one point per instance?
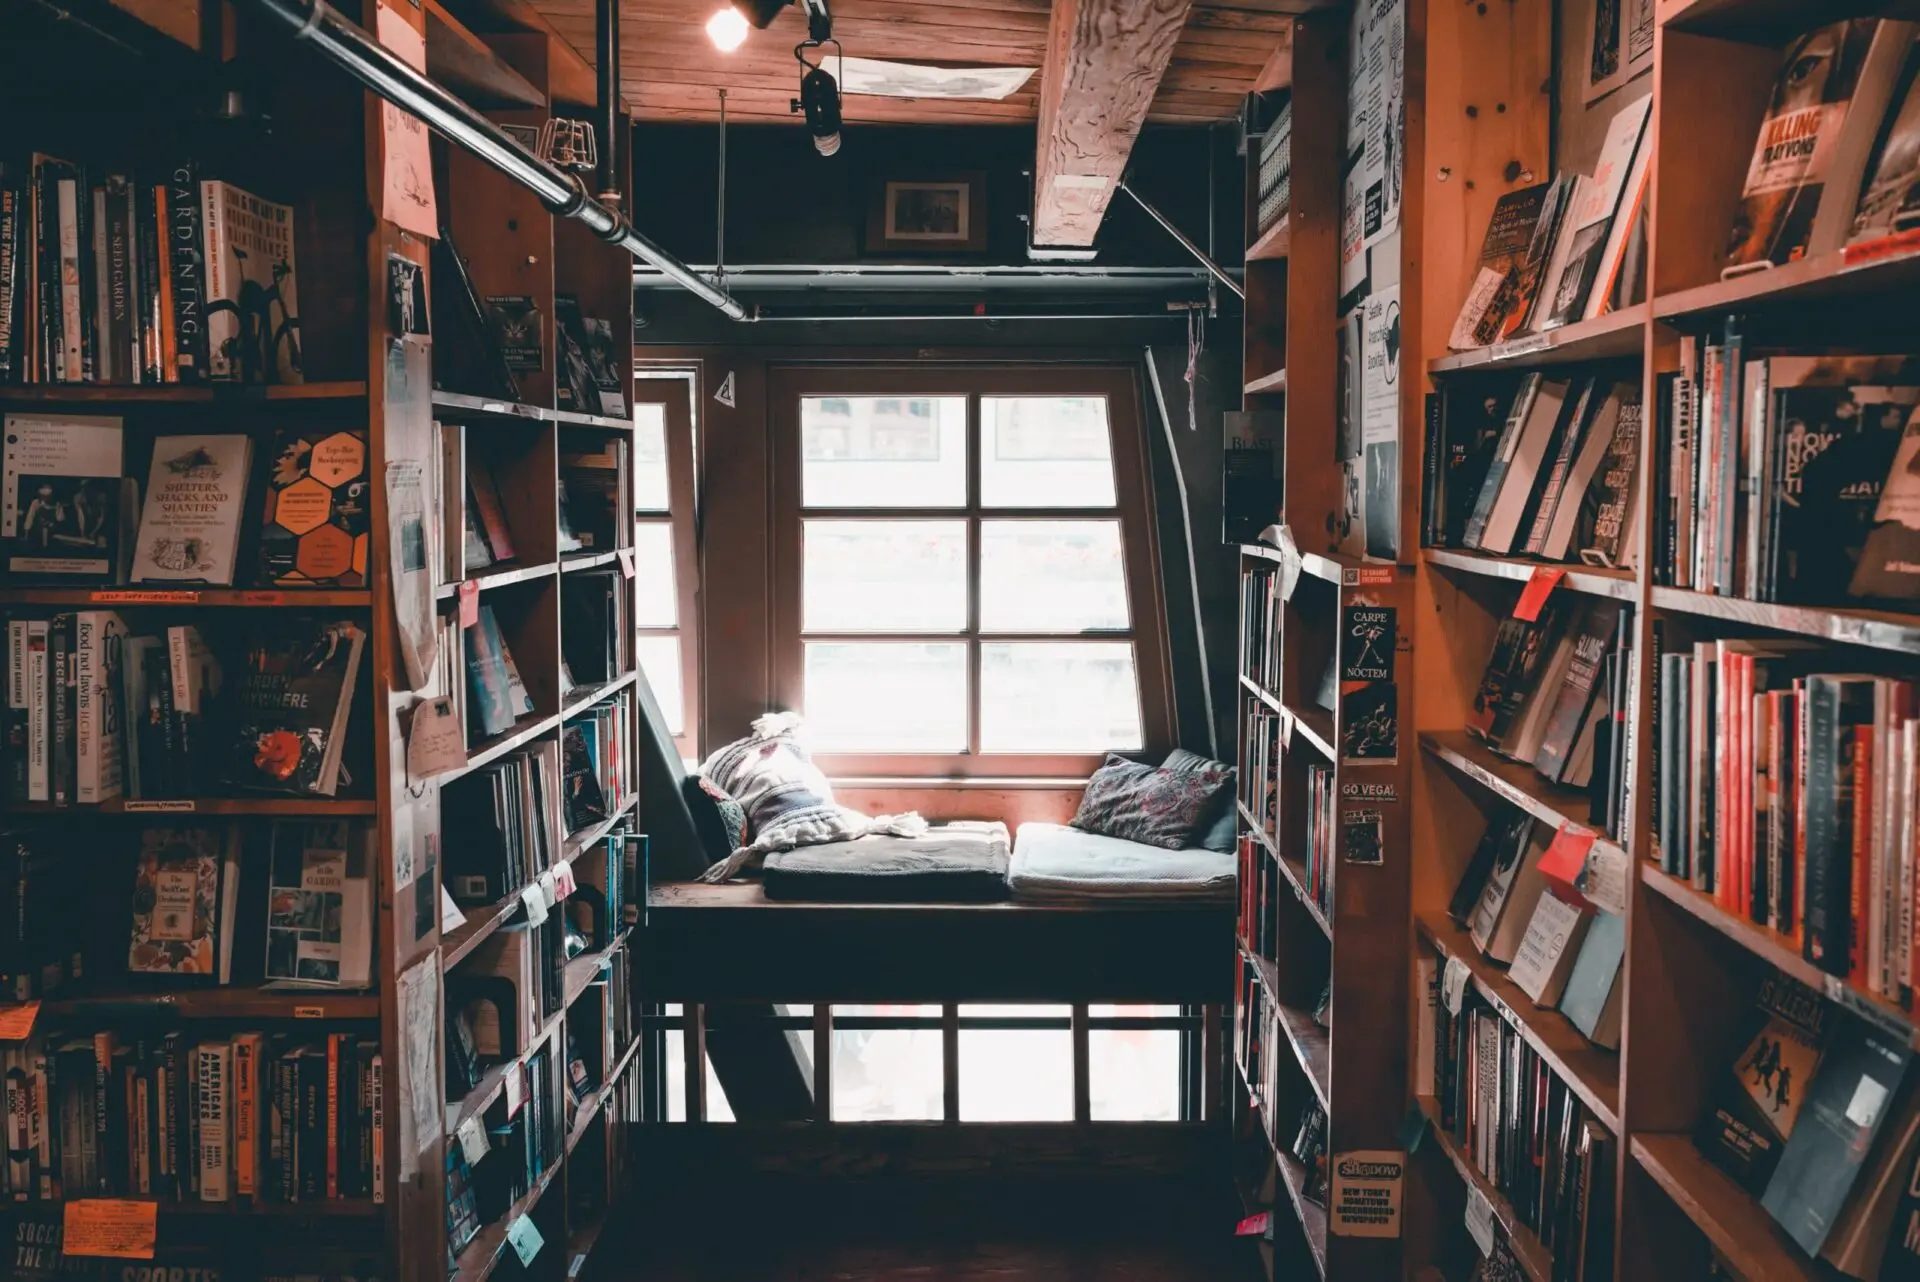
(436, 741)
(116, 1228)
(1365, 1193)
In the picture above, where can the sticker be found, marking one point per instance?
(436, 741)
(144, 598)
(526, 1239)
(1365, 1193)
(563, 880)
(406, 296)
(469, 603)
(725, 393)
(1366, 643)
(309, 1012)
(16, 1022)
(159, 807)
(1545, 579)
(1361, 837)
(1604, 880)
(1380, 793)
(1453, 985)
(118, 1228)
(473, 1139)
(1480, 1220)
(1371, 576)
(629, 562)
(536, 904)
(1370, 723)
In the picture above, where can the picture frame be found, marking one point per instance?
(938, 214)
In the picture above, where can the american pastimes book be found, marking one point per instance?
(318, 511)
(61, 496)
(176, 898)
(318, 906)
(190, 520)
(253, 310)
(296, 695)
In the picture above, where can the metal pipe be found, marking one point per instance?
(1219, 272)
(720, 200)
(366, 60)
(895, 318)
(606, 30)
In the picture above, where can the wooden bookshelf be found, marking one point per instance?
(1614, 336)
(1874, 629)
(1312, 1216)
(137, 394)
(169, 598)
(1726, 1214)
(1534, 1258)
(1268, 384)
(1618, 585)
(1513, 783)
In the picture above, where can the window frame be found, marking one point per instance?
(673, 390)
(1133, 504)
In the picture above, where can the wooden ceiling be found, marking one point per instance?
(671, 71)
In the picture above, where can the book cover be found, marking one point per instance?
(176, 895)
(489, 681)
(516, 325)
(574, 386)
(492, 525)
(248, 1049)
(1549, 948)
(252, 310)
(318, 510)
(213, 1082)
(1513, 888)
(60, 495)
(1889, 565)
(1591, 637)
(1890, 198)
(1503, 288)
(466, 356)
(1569, 453)
(1591, 1000)
(190, 520)
(1525, 448)
(1835, 707)
(604, 364)
(296, 693)
(1519, 650)
(194, 680)
(99, 733)
(14, 248)
(1606, 526)
(1251, 473)
(317, 906)
(1836, 450)
(1591, 216)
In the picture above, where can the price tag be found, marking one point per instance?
(535, 902)
(1480, 1220)
(119, 1229)
(16, 1022)
(175, 807)
(469, 603)
(309, 1012)
(549, 889)
(138, 597)
(578, 1262)
(473, 1140)
(1453, 985)
(1566, 858)
(629, 562)
(1254, 1225)
(563, 880)
(527, 1241)
(1545, 579)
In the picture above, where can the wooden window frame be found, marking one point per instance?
(1133, 504)
(675, 390)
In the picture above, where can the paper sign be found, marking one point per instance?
(404, 871)
(1566, 858)
(159, 807)
(1604, 880)
(1545, 579)
(578, 1262)
(16, 1022)
(406, 195)
(563, 881)
(113, 1227)
(535, 902)
(629, 562)
(473, 1139)
(309, 1012)
(1480, 1220)
(436, 742)
(1365, 1193)
(451, 918)
(1453, 986)
(549, 888)
(469, 603)
(526, 1239)
(1254, 1225)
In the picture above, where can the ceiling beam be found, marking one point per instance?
(1104, 62)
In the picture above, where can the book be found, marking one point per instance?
(1502, 292)
(1538, 417)
(491, 524)
(491, 681)
(194, 681)
(1250, 473)
(1591, 216)
(213, 1088)
(62, 501)
(1584, 439)
(1568, 700)
(518, 331)
(99, 736)
(176, 899)
(1549, 948)
(1889, 204)
(319, 906)
(1591, 1000)
(605, 366)
(574, 385)
(318, 510)
(1520, 651)
(185, 281)
(1888, 568)
(252, 309)
(190, 519)
(296, 695)
(466, 357)
(1507, 900)
(1836, 450)
(1606, 526)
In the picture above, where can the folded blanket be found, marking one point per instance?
(1055, 864)
(962, 862)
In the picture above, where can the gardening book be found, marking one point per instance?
(253, 311)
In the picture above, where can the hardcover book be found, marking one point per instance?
(1513, 889)
(574, 385)
(1503, 290)
(1519, 650)
(1889, 566)
(494, 690)
(61, 496)
(1606, 528)
(176, 898)
(318, 510)
(1591, 216)
(253, 310)
(1760, 1098)
(318, 906)
(1251, 475)
(190, 521)
(1591, 1001)
(1836, 449)
(296, 697)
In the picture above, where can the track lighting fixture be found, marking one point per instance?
(820, 100)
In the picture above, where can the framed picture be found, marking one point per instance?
(930, 215)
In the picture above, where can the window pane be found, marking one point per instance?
(1051, 576)
(888, 1075)
(1016, 1075)
(1133, 1075)
(718, 1110)
(660, 660)
(883, 451)
(1058, 696)
(650, 458)
(656, 602)
(1045, 451)
(880, 696)
(884, 576)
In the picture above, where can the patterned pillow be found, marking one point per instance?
(717, 817)
(1225, 827)
(1150, 805)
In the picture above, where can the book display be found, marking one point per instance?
(318, 759)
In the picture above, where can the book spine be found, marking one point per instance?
(213, 1068)
(1433, 474)
(90, 371)
(1855, 822)
(1726, 480)
(86, 748)
(1826, 855)
(1680, 481)
(67, 250)
(16, 729)
(167, 344)
(246, 1114)
(333, 1115)
(99, 306)
(12, 278)
(377, 1123)
(215, 235)
(119, 288)
(312, 1129)
(286, 1103)
(60, 659)
(185, 249)
(39, 711)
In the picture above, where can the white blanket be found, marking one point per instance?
(1056, 864)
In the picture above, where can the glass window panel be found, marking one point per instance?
(887, 696)
(651, 492)
(1059, 696)
(888, 1075)
(660, 660)
(883, 451)
(1133, 1075)
(1014, 1010)
(1051, 576)
(884, 576)
(1045, 451)
(656, 603)
(1016, 1075)
(718, 1110)
(1107, 1010)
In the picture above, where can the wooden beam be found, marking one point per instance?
(1104, 62)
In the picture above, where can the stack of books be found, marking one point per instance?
(1260, 607)
(1260, 771)
(1323, 836)
(501, 825)
(1276, 171)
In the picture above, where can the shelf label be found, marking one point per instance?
(629, 562)
(534, 902)
(1849, 998)
(526, 1239)
(469, 603)
(473, 1140)
(118, 1228)
(260, 598)
(1480, 1220)
(1539, 587)
(1514, 349)
(177, 807)
(309, 1012)
(1365, 1200)
(578, 1262)
(1453, 985)
(549, 888)
(515, 1088)
(1254, 1225)
(16, 1022)
(136, 596)
(563, 880)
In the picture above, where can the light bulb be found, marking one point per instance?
(727, 28)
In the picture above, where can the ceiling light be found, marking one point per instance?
(727, 28)
(820, 99)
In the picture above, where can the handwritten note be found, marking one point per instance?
(436, 742)
(117, 1228)
(406, 195)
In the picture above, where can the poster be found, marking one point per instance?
(1619, 45)
(1376, 122)
(406, 189)
(1369, 696)
(1364, 1194)
(1379, 414)
(422, 1122)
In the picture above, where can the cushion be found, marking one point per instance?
(717, 817)
(956, 862)
(1149, 804)
(1054, 864)
(1225, 829)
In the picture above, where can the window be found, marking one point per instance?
(965, 578)
(666, 645)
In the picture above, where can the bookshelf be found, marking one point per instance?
(1693, 963)
(116, 106)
